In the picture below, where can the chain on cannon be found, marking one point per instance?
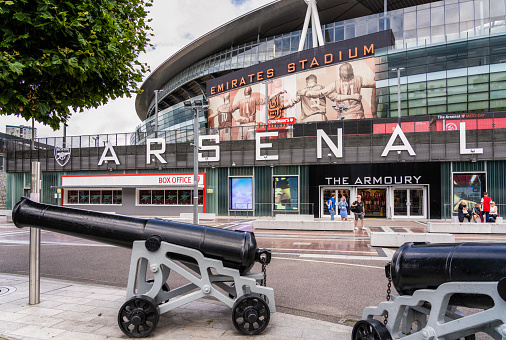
(215, 263)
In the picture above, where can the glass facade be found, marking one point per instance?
(463, 76)
(96, 196)
(167, 197)
(450, 49)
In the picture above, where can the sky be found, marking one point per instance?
(175, 24)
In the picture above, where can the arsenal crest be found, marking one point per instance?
(61, 155)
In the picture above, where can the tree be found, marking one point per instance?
(59, 56)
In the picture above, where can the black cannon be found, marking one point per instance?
(216, 262)
(447, 291)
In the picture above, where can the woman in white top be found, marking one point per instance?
(493, 212)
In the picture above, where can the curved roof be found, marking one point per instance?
(278, 17)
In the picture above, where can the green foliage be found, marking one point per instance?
(58, 56)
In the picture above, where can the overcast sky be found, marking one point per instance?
(176, 23)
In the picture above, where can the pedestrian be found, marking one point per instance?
(343, 208)
(463, 212)
(358, 209)
(331, 204)
(477, 213)
(493, 213)
(485, 206)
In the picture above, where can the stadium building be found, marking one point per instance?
(402, 102)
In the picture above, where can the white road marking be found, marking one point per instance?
(236, 224)
(58, 243)
(331, 262)
(14, 232)
(301, 243)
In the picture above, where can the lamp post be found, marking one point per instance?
(196, 106)
(64, 135)
(398, 69)
(340, 108)
(267, 82)
(156, 113)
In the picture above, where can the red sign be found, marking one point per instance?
(288, 120)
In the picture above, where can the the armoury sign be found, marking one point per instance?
(156, 147)
(62, 155)
(329, 54)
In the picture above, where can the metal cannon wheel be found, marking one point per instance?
(370, 330)
(250, 314)
(138, 317)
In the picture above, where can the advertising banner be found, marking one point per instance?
(342, 91)
(332, 82)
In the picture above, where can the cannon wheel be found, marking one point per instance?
(138, 317)
(250, 314)
(370, 330)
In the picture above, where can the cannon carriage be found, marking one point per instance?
(446, 291)
(214, 262)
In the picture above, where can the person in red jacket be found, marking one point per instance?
(485, 206)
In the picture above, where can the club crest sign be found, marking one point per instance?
(61, 155)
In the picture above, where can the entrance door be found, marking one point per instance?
(327, 194)
(409, 202)
(374, 201)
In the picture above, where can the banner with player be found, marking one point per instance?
(341, 91)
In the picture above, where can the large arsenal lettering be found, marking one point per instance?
(337, 150)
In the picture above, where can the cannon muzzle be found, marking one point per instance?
(236, 249)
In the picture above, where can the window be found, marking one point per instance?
(95, 197)
(170, 196)
(72, 196)
(84, 197)
(286, 192)
(158, 196)
(117, 197)
(240, 193)
(107, 197)
(144, 196)
(185, 196)
(167, 197)
(468, 188)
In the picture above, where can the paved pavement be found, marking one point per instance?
(70, 310)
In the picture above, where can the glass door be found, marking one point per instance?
(327, 194)
(400, 202)
(409, 202)
(416, 202)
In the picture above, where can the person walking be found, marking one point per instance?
(463, 212)
(343, 208)
(331, 204)
(358, 208)
(485, 206)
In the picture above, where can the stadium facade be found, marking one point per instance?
(288, 123)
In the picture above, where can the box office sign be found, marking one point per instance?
(154, 180)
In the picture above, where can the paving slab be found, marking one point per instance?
(62, 316)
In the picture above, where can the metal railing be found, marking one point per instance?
(270, 209)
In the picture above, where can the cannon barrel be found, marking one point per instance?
(236, 249)
(427, 266)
